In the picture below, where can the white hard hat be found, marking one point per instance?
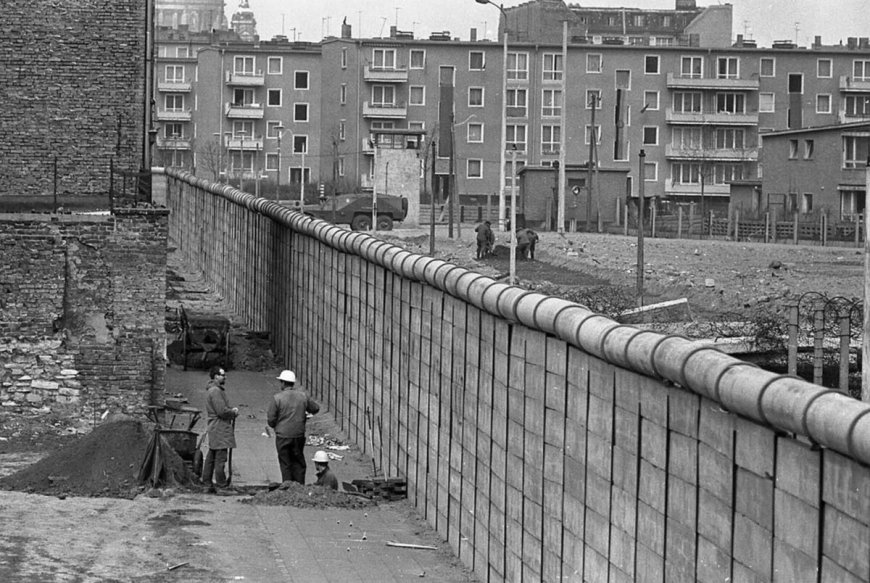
(321, 457)
(287, 375)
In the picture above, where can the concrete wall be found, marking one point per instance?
(73, 87)
(543, 441)
(82, 310)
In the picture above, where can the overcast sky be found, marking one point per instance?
(762, 20)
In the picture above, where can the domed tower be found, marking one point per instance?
(243, 22)
(197, 15)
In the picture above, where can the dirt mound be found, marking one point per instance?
(299, 496)
(104, 462)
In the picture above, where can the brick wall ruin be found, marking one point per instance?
(82, 309)
(73, 87)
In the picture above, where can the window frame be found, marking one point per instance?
(298, 107)
(411, 63)
(761, 63)
(469, 139)
(761, 104)
(644, 131)
(471, 55)
(554, 107)
(553, 145)
(270, 61)
(728, 61)
(380, 61)
(589, 61)
(819, 98)
(296, 77)
(830, 63)
(474, 90)
(422, 89)
(657, 95)
(468, 169)
(692, 60)
(552, 67)
(517, 71)
(273, 92)
(658, 67)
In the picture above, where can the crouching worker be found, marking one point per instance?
(325, 477)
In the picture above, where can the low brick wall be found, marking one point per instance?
(82, 309)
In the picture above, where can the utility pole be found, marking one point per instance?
(640, 203)
(434, 146)
(865, 348)
(560, 179)
(593, 138)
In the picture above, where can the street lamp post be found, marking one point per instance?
(278, 176)
(513, 229)
(503, 155)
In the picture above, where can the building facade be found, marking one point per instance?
(697, 112)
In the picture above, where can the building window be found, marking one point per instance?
(475, 97)
(271, 162)
(807, 203)
(730, 138)
(686, 138)
(857, 106)
(824, 68)
(273, 98)
(300, 80)
(767, 67)
(552, 70)
(728, 68)
(417, 95)
(343, 58)
(651, 100)
(551, 136)
(175, 73)
(663, 41)
(730, 103)
(417, 59)
(173, 102)
(173, 131)
(593, 63)
(243, 65)
(855, 151)
(516, 103)
(687, 102)
(651, 64)
(623, 79)
(242, 97)
(342, 94)
(650, 171)
(275, 65)
(474, 133)
(792, 149)
(809, 147)
(474, 169)
(342, 130)
(593, 96)
(861, 70)
(551, 103)
(516, 136)
(691, 67)
(383, 95)
(725, 173)
(272, 129)
(650, 136)
(823, 103)
(766, 102)
(383, 58)
(300, 112)
(851, 203)
(686, 173)
(518, 66)
(182, 52)
(341, 165)
(476, 61)
(589, 134)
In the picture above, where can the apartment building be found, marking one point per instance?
(697, 112)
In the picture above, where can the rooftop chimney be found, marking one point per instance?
(473, 35)
(345, 30)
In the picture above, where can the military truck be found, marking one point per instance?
(355, 209)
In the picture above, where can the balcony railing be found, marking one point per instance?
(716, 154)
(242, 79)
(173, 115)
(385, 75)
(677, 82)
(174, 86)
(248, 144)
(852, 117)
(850, 84)
(721, 118)
(175, 143)
(244, 110)
(694, 189)
(385, 110)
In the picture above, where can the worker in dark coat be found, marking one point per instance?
(526, 240)
(325, 477)
(221, 429)
(485, 239)
(287, 413)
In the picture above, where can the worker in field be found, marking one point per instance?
(485, 239)
(221, 433)
(325, 477)
(287, 413)
(526, 241)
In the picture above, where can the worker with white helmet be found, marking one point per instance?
(325, 477)
(287, 413)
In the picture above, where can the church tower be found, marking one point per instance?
(243, 22)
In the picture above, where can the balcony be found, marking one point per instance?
(719, 119)
(678, 189)
(852, 117)
(244, 110)
(385, 110)
(242, 79)
(848, 84)
(174, 86)
(247, 144)
(677, 82)
(174, 143)
(367, 147)
(173, 115)
(712, 154)
(384, 75)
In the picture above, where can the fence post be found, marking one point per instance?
(767, 227)
(625, 222)
(692, 219)
(728, 224)
(652, 219)
(824, 229)
(845, 336)
(710, 233)
(679, 222)
(858, 229)
(793, 315)
(773, 226)
(737, 224)
(796, 228)
(818, 344)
